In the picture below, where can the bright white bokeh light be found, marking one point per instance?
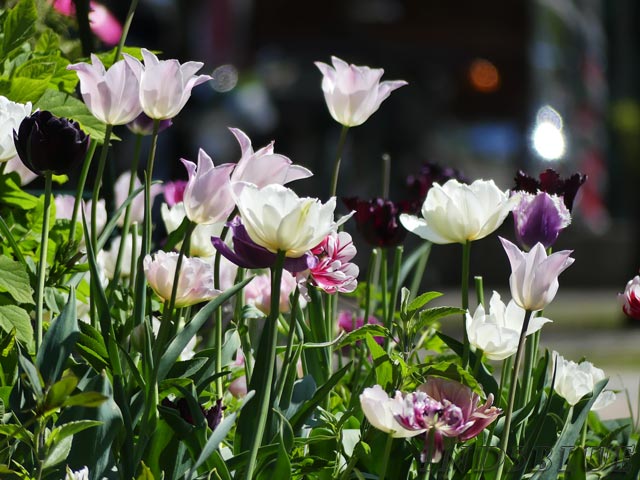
(547, 138)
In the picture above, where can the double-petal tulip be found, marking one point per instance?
(457, 213)
(264, 167)
(354, 93)
(195, 282)
(574, 380)
(207, 197)
(110, 95)
(551, 183)
(248, 254)
(539, 218)
(497, 331)
(381, 412)
(258, 292)
(630, 299)
(11, 115)
(45, 142)
(277, 219)
(333, 270)
(534, 275)
(165, 85)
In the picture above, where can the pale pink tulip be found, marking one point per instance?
(207, 197)
(258, 292)
(264, 166)
(110, 95)
(534, 275)
(14, 164)
(121, 191)
(354, 93)
(195, 282)
(238, 387)
(165, 85)
(102, 22)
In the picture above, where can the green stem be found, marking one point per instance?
(373, 260)
(42, 264)
(125, 28)
(479, 290)
(466, 257)
(395, 283)
(263, 392)
(336, 166)
(386, 175)
(383, 286)
(385, 459)
(420, 267)
(218, 314)
(504, 439)
(80, 190)
(96, 188)
(287, 360)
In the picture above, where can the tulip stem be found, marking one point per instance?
(386, 175)
(395, 283)
(264, 384)
(218, 312)
(385, 460)
(125, 28)
(373, 260)
(419, 270)
(383, 286)
(80, 190)
(466, 257)
(287, 353)
(96, 188)
(42, 265)
(504, 439)
(336, 166)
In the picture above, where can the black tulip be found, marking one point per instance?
(46, 143)
(378, 220)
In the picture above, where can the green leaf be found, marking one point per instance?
(50, 68)
(13, 317)
(577, 465)
(218, 435)
(12, 195)
(25, 89)
(427, 317)
(64, 105)
(19, 25)
(58, 342)
(48, 42)
(420, 301)
(59, 391)
(58, 453)
(15, 281)
(383, 368)
(18, 432)
(69, 429)
(85, 399)
(145, 474)
(360, 333)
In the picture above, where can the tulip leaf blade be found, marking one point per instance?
(19, 25)
(14, 280)
(14, 318)
(382, 365)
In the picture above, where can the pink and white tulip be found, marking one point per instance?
(353, 93)
(264, 167)
(207, 197)
(165, 85)
(534, 275)
(195, 281)
(110, 95)
(334, 271)
(630, 299)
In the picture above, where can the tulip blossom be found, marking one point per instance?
(630, 299)
(333, 271)
(551, 183)
(207, 197)
(143, 125)
(110, 95)
(277, 219)
(575, 380)
(258, 292)
(238, 387)
(347, 322)
(248, 254)
(497, 331)
(174, 192)
(14, 164)
(64, 209)
(354, 93)
(82, 474)
(165, 85)
(195, 282)
(378, 220)
(45, 142)
(108, 258)
(102, 22)
(539, 218)
(439, 408)
(264, 167)
(419, 184)
(121, 193)
(200, 242)
(212, 415)
(534, 275)
(458, 213)
(11, 115)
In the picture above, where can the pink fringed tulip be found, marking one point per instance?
(110, 95)
(354, 93)
(534, 275)
(630, 299)
(165, 85)
(207, 197)
(195, 283)
(333, 271)
(264, 167)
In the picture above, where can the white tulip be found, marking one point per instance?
(457, 213)
(200, 245)
(381, 411)
(575, 380)
(11, 115)
(497, 331)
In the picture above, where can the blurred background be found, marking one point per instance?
(494, 86)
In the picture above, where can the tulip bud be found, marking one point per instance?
(45, 142)
(630, 299)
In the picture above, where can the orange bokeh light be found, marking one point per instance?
(484, 76)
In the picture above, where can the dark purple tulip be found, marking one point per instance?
(212, 415)
(143, 125)
(540, 218)
(377, 220)
(248, 254)
(418, 185)
(45, 142)
(551, 183)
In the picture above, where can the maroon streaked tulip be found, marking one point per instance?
(334, 272)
